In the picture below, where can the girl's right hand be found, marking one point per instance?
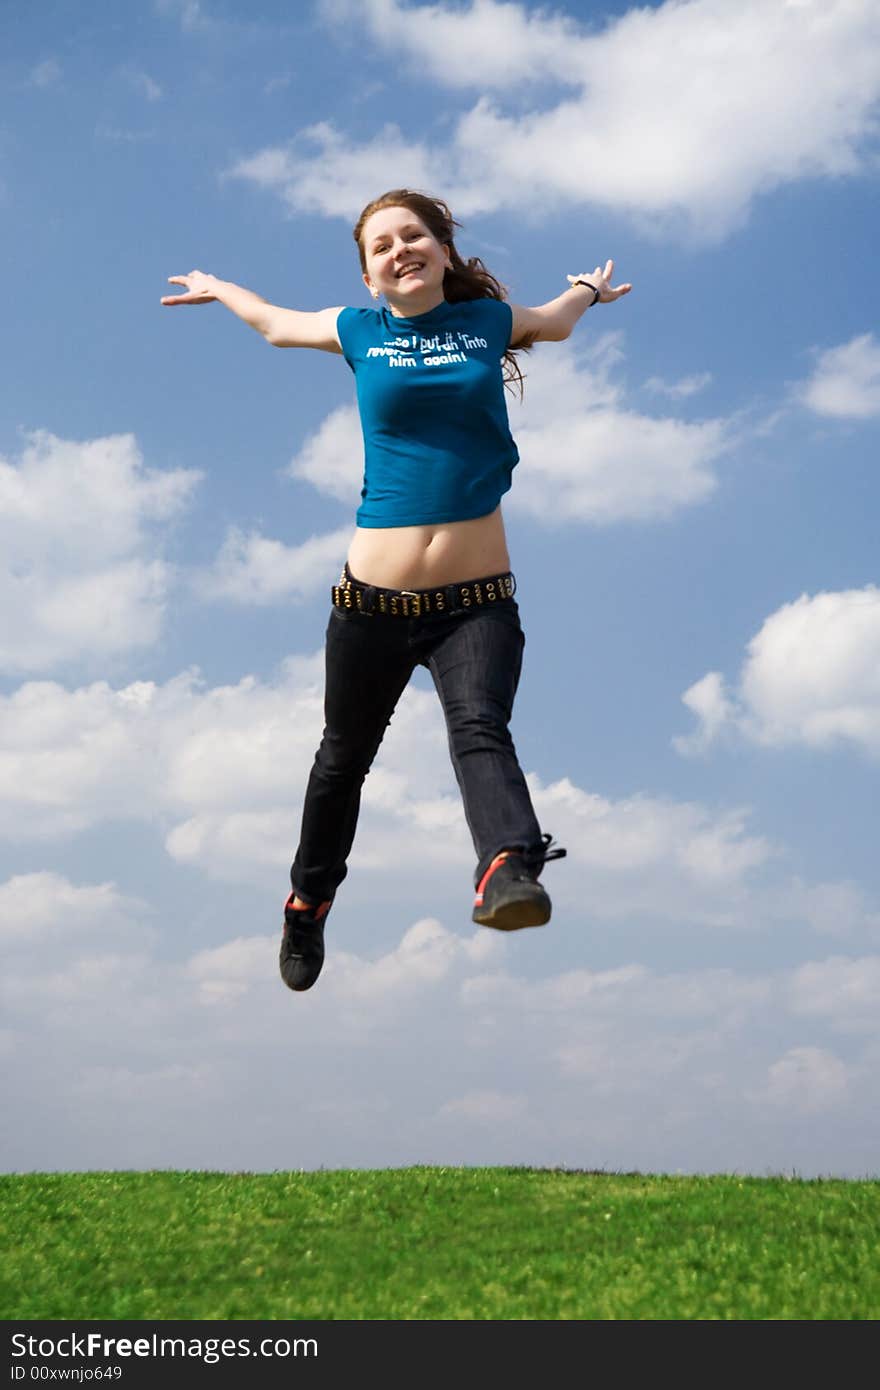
(201, 288)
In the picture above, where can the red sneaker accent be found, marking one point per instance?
(320, 911)
(481, 886)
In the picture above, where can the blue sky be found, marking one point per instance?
(693, 529)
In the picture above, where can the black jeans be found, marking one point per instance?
(475, 659)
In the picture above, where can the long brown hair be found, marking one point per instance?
(463, 279)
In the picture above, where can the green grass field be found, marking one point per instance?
(424, 1243)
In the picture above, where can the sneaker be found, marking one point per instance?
(302, 945)
(509, 895)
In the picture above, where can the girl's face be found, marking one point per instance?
(405, 262)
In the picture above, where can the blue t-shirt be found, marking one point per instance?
(437, 443)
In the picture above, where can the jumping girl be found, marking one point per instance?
(427, 580)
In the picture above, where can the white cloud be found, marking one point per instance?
(510, 43)
(226, 972)
(426, 955)
(332, 459)
(648, 858)
(809, 1080)
(681, 389)
(638, 856)
(333, 177)
(72, 759)
(254, 569)
(37, 906)
(834, 909)
(626, 1067)
(410, 789)
(79, 576)
(656, 93)
(220, 774)
(240, 845)
(143, 83)
(584, 455)
(811, 676)
(843, 990)
(221, 770)
(846, 380)
(641, 831)
(707, 700)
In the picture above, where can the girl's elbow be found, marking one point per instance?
(549, 332)
(271, 328)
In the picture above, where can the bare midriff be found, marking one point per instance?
(420, 557)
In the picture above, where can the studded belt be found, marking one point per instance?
(451, 599)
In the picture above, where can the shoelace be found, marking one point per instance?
(549, 851)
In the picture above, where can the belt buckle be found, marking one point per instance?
(417, 601)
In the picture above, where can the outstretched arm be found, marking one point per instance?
(280, 327)
(552, 322)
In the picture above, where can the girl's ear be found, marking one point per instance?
(369, 284)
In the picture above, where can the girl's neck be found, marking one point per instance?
(418, 304)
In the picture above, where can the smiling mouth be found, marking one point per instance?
(413, 266)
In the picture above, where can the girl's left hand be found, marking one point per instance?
(602, 280)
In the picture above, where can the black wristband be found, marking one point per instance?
(590, 286)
